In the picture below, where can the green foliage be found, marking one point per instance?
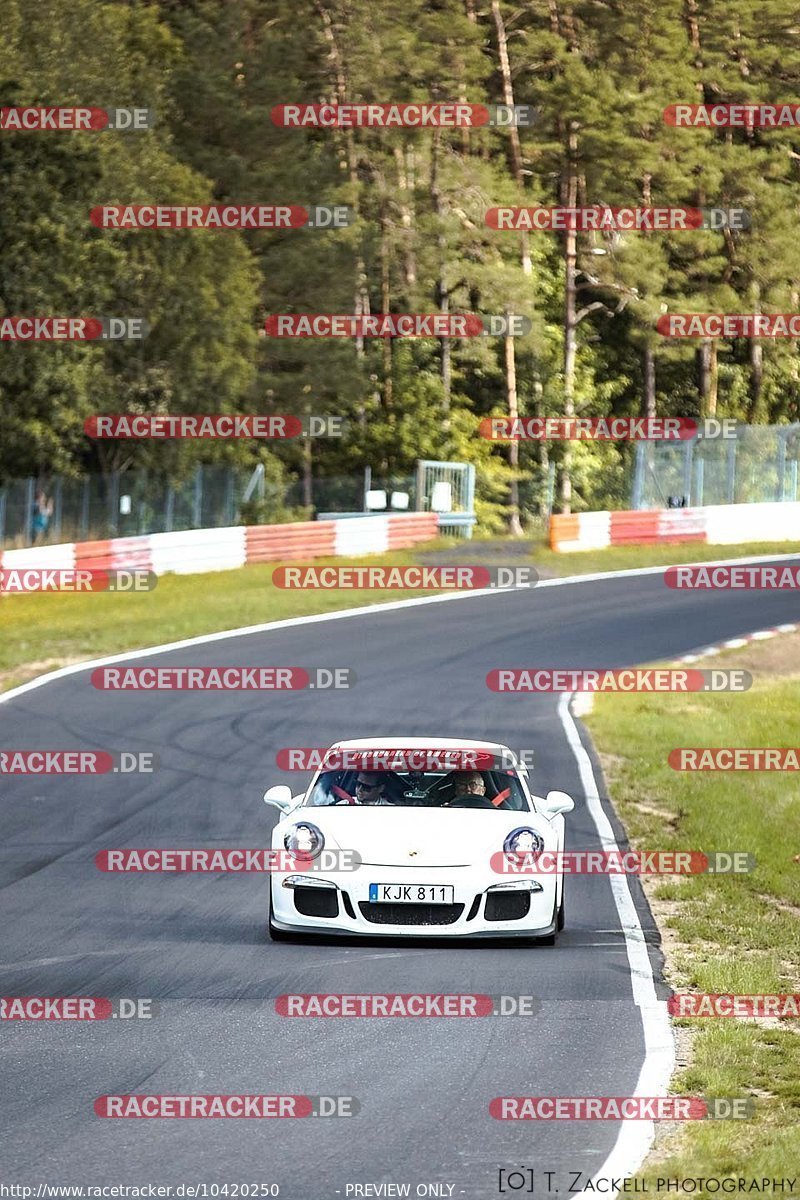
(212, 73)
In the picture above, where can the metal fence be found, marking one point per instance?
(119, 505)
(129, 504)
(448, 488)
(134, 503)
(759, 464)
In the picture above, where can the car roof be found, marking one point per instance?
(423, 743)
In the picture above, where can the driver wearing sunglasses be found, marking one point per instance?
(370, 788)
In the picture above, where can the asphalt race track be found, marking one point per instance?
(198, 945)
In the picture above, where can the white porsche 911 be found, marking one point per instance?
(418, 845)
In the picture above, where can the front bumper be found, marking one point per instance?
(484, 904)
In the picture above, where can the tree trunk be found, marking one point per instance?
(385, 307)
(308, 484)
(348, 158)
(555, 24)
(693, 28)
(513, 133)
(714, 381)
(442, 293)
(570, 316)
(756, 376)
(515, 154)
(514, 524)
(756, 351)
(649, 363)
(544, 453)
(707, 377)
(402, 157)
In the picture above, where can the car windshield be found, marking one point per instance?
(490, 789)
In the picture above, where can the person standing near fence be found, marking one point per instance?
(42, 512)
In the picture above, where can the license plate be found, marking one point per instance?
(411, 893)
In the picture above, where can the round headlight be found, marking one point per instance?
(305, 840)
(523, 841)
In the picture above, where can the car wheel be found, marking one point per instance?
(560, 923)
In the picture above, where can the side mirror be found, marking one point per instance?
(556, 803)
(279, 797)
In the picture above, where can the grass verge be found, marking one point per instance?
(45, 631)
(40, 633)
(738, 934)
(618, 558)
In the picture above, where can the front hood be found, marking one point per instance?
(418, 837)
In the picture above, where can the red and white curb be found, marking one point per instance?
(761, 635)
(583, 702)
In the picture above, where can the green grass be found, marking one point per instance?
(43, 632)
(734, 933)
(733, 936)
(618, 558)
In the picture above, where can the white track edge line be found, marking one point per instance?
(635, 1138)
(343, 613)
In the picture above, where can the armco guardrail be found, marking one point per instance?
(194, 551)
(715, 525)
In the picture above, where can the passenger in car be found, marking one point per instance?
(468, 783)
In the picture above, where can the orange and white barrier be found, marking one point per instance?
(194, 551)
(715, 525)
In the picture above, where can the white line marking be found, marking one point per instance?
(760, 635)
(344, 613)
(635, 1137)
